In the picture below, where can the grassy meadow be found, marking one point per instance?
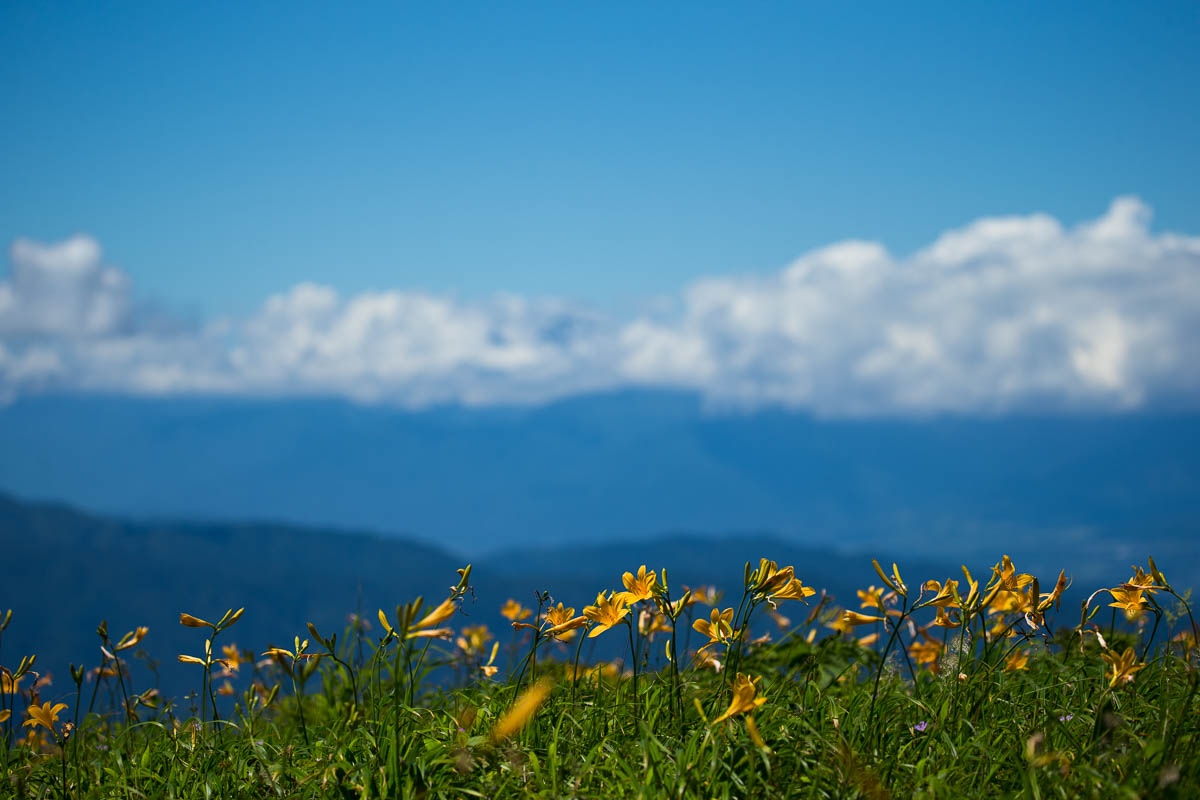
(973, 686)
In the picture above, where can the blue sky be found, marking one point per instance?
(606, 153)
(603, 158)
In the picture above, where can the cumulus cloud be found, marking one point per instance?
(1003, 314)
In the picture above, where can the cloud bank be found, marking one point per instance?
(1004, 314)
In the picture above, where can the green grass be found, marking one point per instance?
(419, 720)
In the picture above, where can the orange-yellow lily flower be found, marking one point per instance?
(608, 611)
(490, 669)
(512, 610)
(745, 697)
(1018, 660)
(639, 587)
(45, 715)
(1122, 667)
(522, 711)
(792, 590)
(718, 627)
(872, 597)
(1129, 598)
(439, 615)
(853, 618)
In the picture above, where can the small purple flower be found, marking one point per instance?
(1066, 718)
(101, 747)
(920, 727)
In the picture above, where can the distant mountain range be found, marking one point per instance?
(64, 570)
(623, 465)
(563, 498)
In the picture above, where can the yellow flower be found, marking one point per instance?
(792, 590)
(944, 595)
(1122, 667)
(432, 633)
(926, 654)
(489, 669)
(1054, 598)
(1129, 598)
(639, 587)
(706, 595)
(745, 697)
(653, 622)
(1006, 576)
(718, 627)
(853, 618)
(4, 714)
(194, 622)
(234, 658)
(522, 711)
(132, 639)
(865, 641)
(607, 612)
(769, 577)
(226, 689)
(514, 611)
(1142, 581)
(944, 620)
(1019, 660)
(474, 638)
(45, 715)
(566, 631)
(557, 615)
(439, 615)
(871, 598)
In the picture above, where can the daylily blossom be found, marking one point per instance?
(945, 620)
(439, 615)
(944, 595)
(1018, 660)
(132, 639)
(490, 669)
(926, 653)
(473, 639)
(718, 627)
(639, 587)
(514, 611)
(872, 597)
(45, 715)
(522, 711)
(792, 590)
(557, 615)
(853, 618)
(608, 611)
(1129, 599)
(1122, 667)
(745, 697)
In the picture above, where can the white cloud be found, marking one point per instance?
(1002, 314)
